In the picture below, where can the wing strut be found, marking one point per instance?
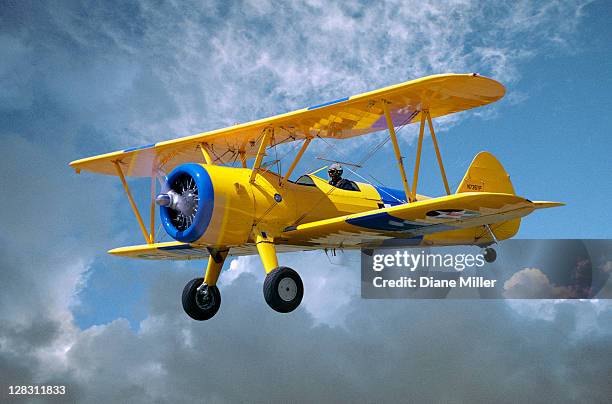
(265, 141)
(152, 217)
(396, 148)
(134, 207)
(425, 115)
(205, 153)
(417, 161)
(438, 155)
(296, 160)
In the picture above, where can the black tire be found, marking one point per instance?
(490, 255)
(198, 306)
(287, 299)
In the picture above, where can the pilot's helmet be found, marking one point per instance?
(334, 170)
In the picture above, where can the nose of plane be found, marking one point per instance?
(187, 206)
(172, 199)
(163, 200)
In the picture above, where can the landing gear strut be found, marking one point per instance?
(490, 255)
(283, 288)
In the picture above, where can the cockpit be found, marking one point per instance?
(307, 180)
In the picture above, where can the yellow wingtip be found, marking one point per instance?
(115, 251)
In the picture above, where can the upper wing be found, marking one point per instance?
(343, 118)
(411, 220)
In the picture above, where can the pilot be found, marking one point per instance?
(336, 180)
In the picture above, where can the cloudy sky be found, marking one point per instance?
(83, 78)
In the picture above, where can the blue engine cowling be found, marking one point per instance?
(192, 187)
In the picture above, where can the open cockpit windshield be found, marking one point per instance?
(346, 185)
(305, 180)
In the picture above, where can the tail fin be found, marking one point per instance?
(486, 174)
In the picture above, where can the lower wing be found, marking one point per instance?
(371, 228)
(177, 251)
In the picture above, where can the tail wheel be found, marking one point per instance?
(490, 255)
(283, 289)
(201, 302)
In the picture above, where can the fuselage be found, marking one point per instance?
(239, 205)
(233, 203)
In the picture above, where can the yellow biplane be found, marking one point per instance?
(214, 210)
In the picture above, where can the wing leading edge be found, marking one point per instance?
(177, 251)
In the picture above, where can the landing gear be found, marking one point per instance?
(200, 301)
(283, 289)
(201, 296)
(489, 254)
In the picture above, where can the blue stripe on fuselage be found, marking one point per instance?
(391, 196)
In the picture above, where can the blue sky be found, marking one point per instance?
(84, 78)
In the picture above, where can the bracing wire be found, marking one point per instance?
(379, 189)
(371, 153)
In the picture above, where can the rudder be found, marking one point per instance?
(486, 174)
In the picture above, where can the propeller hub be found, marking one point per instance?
(170, 199)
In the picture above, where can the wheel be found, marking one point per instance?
(201, 303)
(490, 254)
(283, 289)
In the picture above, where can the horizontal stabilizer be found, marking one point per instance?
(410, 220)
(547, 204)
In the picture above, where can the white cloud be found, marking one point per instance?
(239, 266)
(529, 283)
(532, 283)
(329, 281)
(263, 58)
